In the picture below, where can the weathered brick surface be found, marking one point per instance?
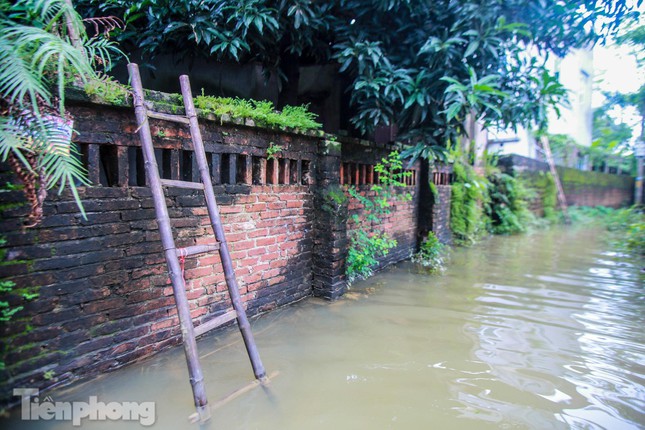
(441, 214)
(330, 225)
(105, 297)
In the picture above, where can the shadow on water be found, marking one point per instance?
(543, 331)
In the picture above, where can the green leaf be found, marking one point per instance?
(452, 111)
(472, 47)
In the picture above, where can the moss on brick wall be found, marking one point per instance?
(581, 188)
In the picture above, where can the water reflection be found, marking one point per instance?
(532, 332)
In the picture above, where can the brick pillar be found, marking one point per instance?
(330, 225)
(441, 214)
(426, 201)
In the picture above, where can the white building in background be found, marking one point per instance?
(576, 120)
(519, 142)
(576, 73)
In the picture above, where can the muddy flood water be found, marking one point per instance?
(541, 331)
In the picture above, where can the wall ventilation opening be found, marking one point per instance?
(305, 177)
(283, 166)
(108, 166)
(225, 167)
(293, 171)
(256, 170)
(166, 164)
(271, 170)
(136, 167)
(186, 168)
(240, 174)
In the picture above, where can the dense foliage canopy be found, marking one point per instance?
(421, 64)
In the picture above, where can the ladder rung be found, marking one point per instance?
(182, 184)
(168, 117)
(215, 322)
(196, 249)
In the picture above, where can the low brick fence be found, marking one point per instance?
(105, 297)
(581, 188)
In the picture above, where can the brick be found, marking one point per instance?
(242, 245)
(164, 324)
(264, 241)
(270, 214)
(102, 305)
(258, 207)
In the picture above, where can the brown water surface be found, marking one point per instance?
(542, 331)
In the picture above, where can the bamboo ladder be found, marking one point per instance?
(554, 172)
(172, 253)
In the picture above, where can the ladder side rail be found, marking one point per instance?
(216, 222)
(163, 220)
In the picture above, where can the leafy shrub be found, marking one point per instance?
(626, 225)
(44, 47)
(508, 204)
(467, 219)
(431, 254)
(630, 226)
(364, 251)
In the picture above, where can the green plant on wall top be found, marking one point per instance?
(272, 150)
(262, 112)
(368, 241)
(107, 89)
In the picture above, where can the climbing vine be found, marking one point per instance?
(468, 220)
(369, 241)
(507, 206)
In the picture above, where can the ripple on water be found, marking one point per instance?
(529, 332)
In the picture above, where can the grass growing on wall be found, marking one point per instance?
(496, 202)
(549, 198)
(262, 112)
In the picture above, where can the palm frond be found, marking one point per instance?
(101, 51)
(19, 81)
(58, 157)
(14, 140)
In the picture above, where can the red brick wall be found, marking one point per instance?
(105, 297)
(581, 188)
(400, 224)
(357, 170)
